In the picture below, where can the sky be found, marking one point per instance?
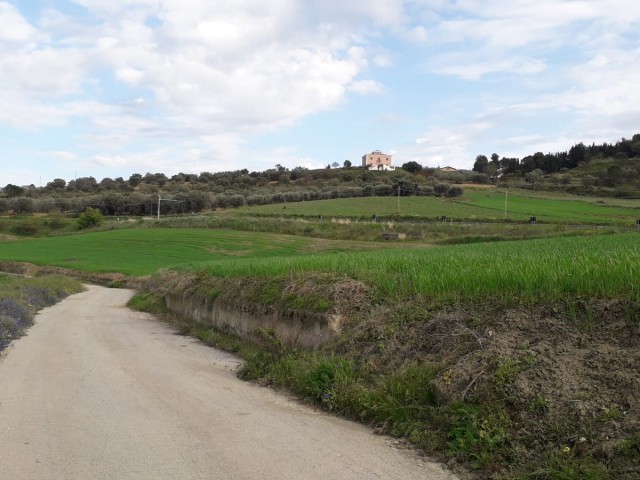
(111, 88)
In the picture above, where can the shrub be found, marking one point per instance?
(91, 217)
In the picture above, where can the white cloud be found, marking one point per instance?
(186, 84)
(110, 160)
(61, 155)
(13, 26)
(474, 70)
(366, 87)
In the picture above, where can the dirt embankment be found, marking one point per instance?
(556, 386)
(301, 312)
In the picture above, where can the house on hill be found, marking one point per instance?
(448, 169)
(377, 160)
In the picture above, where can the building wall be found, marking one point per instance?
(377, 159)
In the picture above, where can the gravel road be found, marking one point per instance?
(97, 391)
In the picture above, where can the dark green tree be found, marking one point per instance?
(481, 164)
(412, 167)
(13, 190)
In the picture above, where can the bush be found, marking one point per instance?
(26, 227)
(91, 217)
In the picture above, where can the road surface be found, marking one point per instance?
(97, 391)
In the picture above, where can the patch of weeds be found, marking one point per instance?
(271, 292)
(322, 379)
(612, 413)
(222, 340)
(403, 402)
(478, 436)
(630, 448)
(9, 330)
(538, 405)
(581, 314)
(147, 302)
(209, 292)
(256, 366)
(307, 303)
(565, 464)
(271, 340)
(508, 368)
(116, 284)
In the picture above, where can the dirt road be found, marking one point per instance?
(96, 391)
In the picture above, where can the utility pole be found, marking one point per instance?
(398, 199)
(159, 200)
(506, 195)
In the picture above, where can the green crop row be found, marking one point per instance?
(604, 266)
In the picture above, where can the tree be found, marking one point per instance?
(284, 179)
(84, 184)
(577, 154)
(346, 164)
(56, 184)
(91, 217)
(481, 164)
(135, 179)
(13, 190)
(412, 167)
(335, 164)
(534, 176)
(23, 205)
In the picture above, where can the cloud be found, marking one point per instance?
(187, 84)
(472, 69)
(14, 29)
(366, 87)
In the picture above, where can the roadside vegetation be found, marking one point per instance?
(21, 298)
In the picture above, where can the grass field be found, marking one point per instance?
(476, 204)
(522, 205)
(598, 265)
(144, 251)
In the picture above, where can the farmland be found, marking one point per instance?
(474, 205)
(553, 269)
(599, 265)
(144, 251)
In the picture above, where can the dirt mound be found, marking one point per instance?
(567, 375)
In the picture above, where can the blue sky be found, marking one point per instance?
(111, 88)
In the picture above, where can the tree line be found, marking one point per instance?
(555, 162)
(191, 193)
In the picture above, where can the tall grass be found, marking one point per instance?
(603, 266)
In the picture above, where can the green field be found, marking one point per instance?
(600, 265)
(476, 204)
(144, 251)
